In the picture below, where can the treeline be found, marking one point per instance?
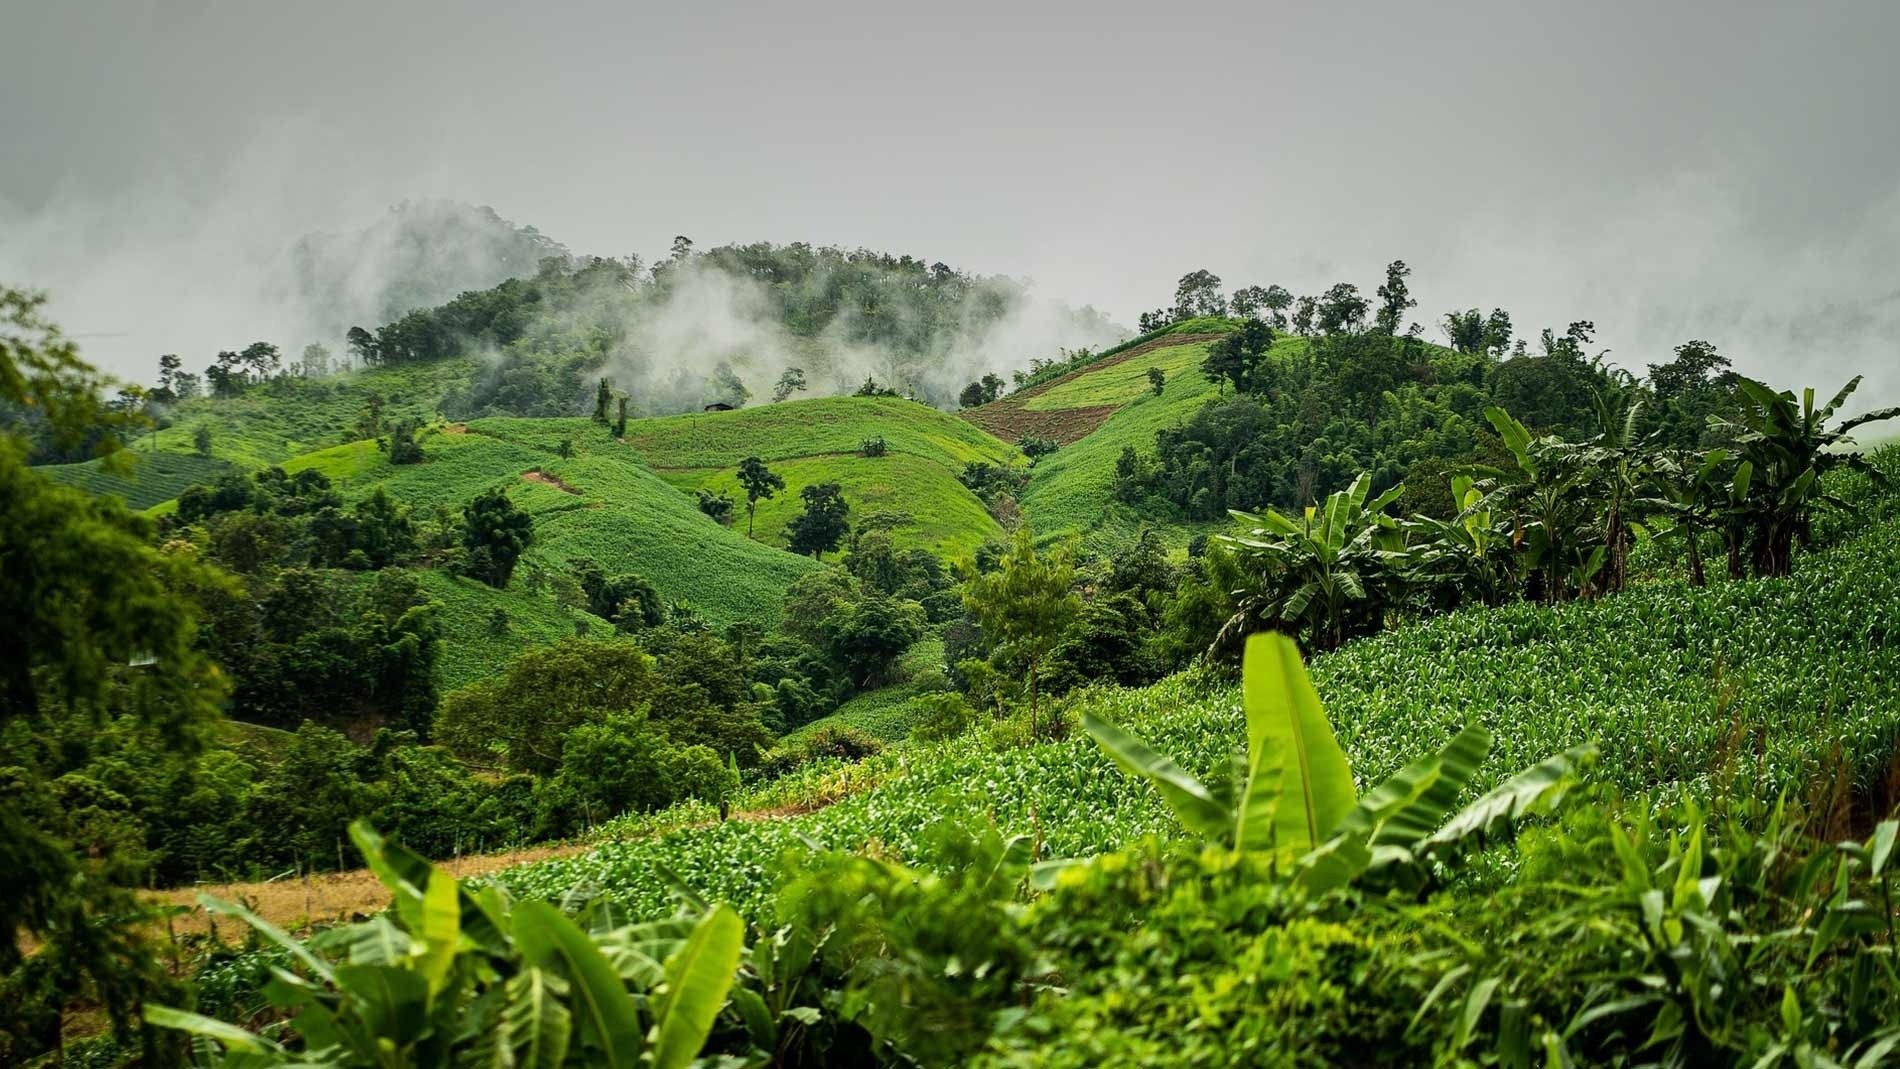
(1296, 422)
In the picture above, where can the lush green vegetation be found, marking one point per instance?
(1590, 759)
(141, 480)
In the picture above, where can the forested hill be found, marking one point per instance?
(726, 325)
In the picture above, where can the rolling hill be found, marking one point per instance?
(820, 440)
(1096, 410)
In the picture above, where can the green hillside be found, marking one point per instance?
(141, 479)
(601, 502)
(275, 421)
(819, 440)
(1641, 674)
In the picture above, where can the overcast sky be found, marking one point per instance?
(1717, 170)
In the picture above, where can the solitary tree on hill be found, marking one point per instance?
(760, 482)
(495, 533)
(822, 525)
(789, 383)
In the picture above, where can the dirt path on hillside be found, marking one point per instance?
(1009, 420)
(545, 479)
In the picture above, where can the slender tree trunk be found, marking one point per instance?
(1033, 696)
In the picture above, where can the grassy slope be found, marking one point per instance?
(817, 440)
(621, 514)
(1072, 491)
(1657, 677)
(139, 478)
(273, 423)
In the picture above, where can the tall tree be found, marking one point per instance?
(1394, 298)
(1198, 294)
(495, 533)
(95, 634)
(760, 483)
(1025, 605)
(1237, 357)
(1341, 310)
(790, 382)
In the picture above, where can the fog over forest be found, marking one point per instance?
(1667, 174)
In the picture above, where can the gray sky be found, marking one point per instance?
(1718, 170)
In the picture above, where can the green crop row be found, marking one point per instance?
(1683, 689)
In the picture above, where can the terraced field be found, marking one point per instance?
(139, 478)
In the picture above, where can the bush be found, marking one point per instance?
(940, 716)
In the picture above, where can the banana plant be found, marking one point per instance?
(1550, 502)
(1324, 575)
(450, 976)
(1294, 792)
(1465, 556)
(1689, 489)
(1791, 446)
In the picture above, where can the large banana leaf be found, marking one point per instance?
(197, 1024)
(1390, 820)
(1298, 785)
(1193, 805)
(536, 1025)
(697, 979)
(549, 940)
(1535, 789)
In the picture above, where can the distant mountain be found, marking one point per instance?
(418, 255)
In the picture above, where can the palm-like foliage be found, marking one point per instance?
(1621, 461)
(1466, 557)
(1293, 790)
(1324, 577)
(454, 977)
(1694, 490)
(1790, 446)
(1550, 504)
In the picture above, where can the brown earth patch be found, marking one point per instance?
(1009, 420)
(542, 477)
(455, 428)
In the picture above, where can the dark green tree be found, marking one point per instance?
(1156, 380)
(495, 533)
(1199, 294)
(821, 526)
(760, 483)
(1394, 298)
(791, 381)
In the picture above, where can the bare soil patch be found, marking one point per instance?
(545, 479)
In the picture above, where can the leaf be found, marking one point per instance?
(233, 1037)
(1298, 784)
(441, 916)
(1880, 847)
(270, 931)
(697, 979)
(549, 940)
(392, 1001)
(1536, 788)
(760, 1025)
(1397, 814)
(1193, 806)
(536, 1024)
